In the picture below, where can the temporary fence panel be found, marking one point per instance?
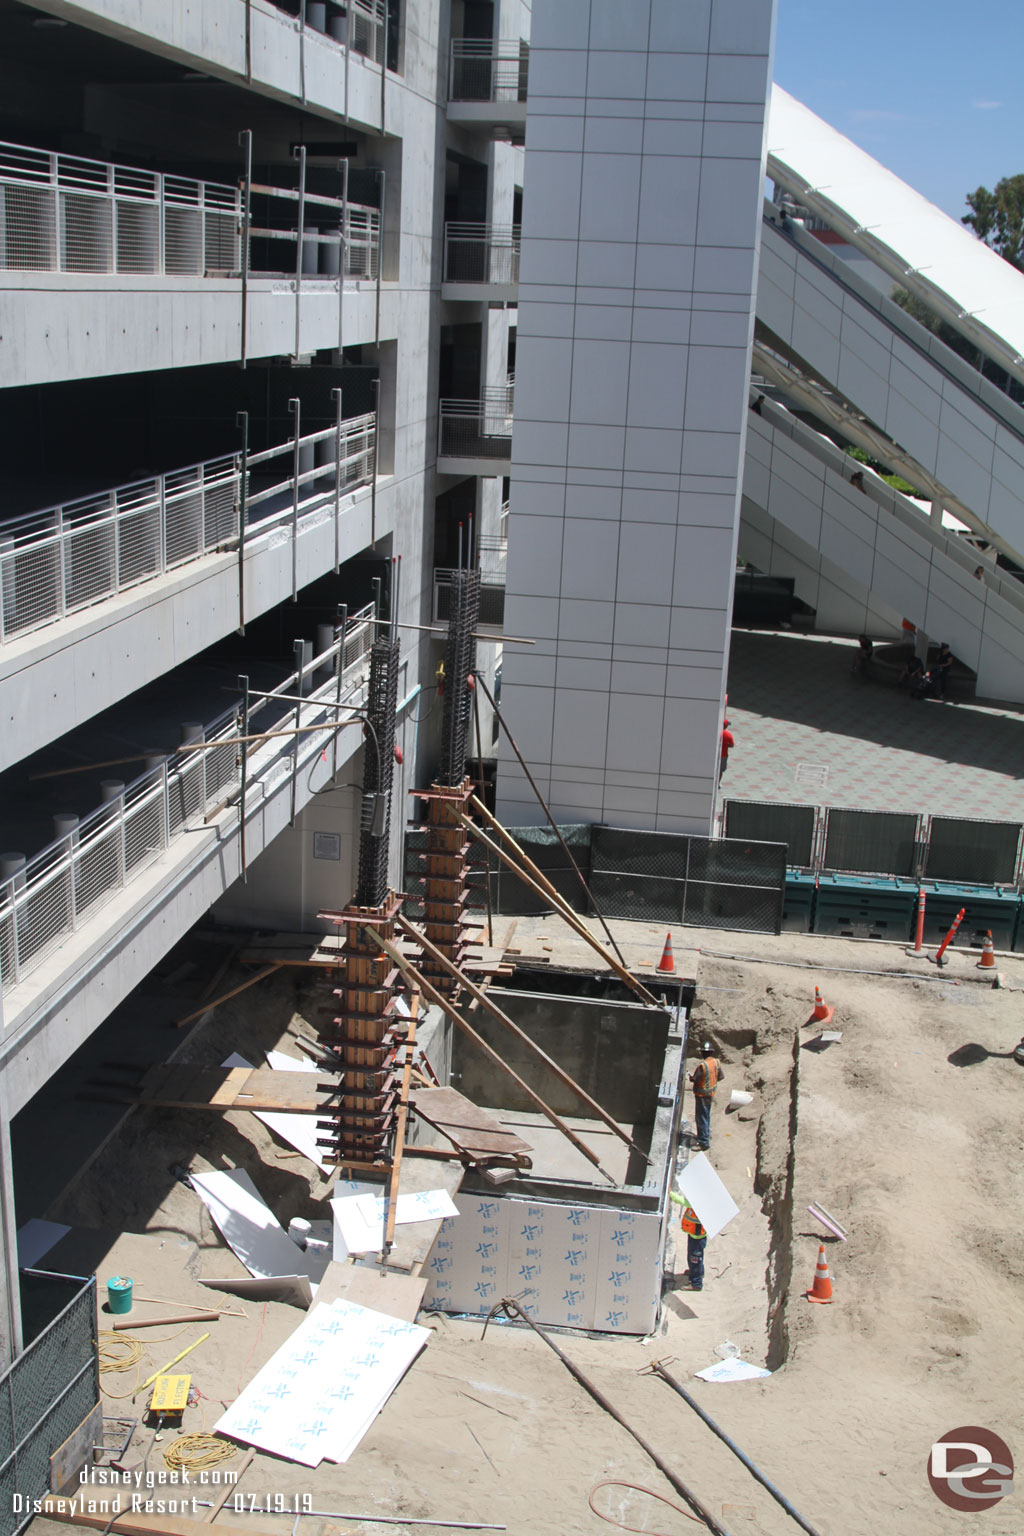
(976, 852)
(47, 1392)
(769, 821)
(871, 842)
(734, 884)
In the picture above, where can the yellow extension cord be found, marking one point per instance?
(196, 1453)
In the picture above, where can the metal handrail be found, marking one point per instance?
(893, 501)
(64, 213)
(481, 253)
(477, 428)
(75, 876)
(69, 557)
(482, 70)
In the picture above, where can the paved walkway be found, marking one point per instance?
(808, 732)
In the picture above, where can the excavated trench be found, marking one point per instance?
(767, 1061)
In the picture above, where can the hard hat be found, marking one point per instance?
(707, 1049)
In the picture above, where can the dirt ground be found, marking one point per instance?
(908, 1130)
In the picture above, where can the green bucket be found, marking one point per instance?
(119, 1294)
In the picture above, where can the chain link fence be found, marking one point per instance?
(48, 1390)
(661, 877)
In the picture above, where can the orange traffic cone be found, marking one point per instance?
(988, 955)
(666, 963)
(821, 1290)
(820, 1014)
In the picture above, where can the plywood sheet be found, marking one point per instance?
(219, 1088)
(299, 1131)
(472, 1129)
(368, 1286)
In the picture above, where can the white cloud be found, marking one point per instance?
(985, 106)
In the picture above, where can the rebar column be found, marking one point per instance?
(378, 773)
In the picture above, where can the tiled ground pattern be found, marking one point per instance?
(793, 702)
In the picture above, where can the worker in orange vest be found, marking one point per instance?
(705, 1079)
(696, 1240)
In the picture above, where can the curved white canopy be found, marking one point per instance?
(919, 245)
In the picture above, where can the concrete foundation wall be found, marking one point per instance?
(615, 1051)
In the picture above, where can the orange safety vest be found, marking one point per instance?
(689, 1223)
(705, 1079)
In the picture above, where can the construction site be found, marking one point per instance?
(303, 1157)
(512, 925)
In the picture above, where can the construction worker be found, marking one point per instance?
(705, 1079)
(696, 1240)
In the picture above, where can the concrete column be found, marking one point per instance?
(303, 662)
(936, 513)
(324, 641)
(642, 195)
(10, 1294)
(65, 824)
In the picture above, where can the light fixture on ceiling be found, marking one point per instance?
(47, 23)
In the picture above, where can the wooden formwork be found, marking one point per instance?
(445, 893)
(363, 1037)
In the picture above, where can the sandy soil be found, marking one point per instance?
(911, 1140)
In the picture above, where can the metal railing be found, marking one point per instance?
(478, 429)
(336, 235)
(68, 882)
(906, 511)
(66, 558)
(492, 558)
(482, 70)
(62, 213)
(357, 24)
(367, 22)
(481, 253)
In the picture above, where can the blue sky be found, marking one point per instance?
(934, 89)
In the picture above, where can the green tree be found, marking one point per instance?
(998, 218)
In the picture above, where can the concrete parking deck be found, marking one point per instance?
(808, 732)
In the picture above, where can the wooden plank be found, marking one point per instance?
(234, 1088)
(141, 1524)
(76, 1452)
(465, 1124)
(383, 1291)
(226, 997)
(400, 1122)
